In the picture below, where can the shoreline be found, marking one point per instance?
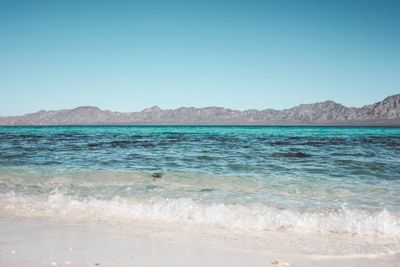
(395, 124)
(38, 242)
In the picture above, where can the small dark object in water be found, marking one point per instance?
(206, 190)
(156, 174)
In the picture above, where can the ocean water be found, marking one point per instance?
(322, 180)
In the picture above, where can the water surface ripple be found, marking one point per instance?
(315, 172)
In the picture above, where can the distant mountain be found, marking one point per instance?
(386, 112)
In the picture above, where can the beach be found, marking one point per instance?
(199, 196)
(29, 243)
(199, 133)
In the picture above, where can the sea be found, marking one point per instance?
(320, 180)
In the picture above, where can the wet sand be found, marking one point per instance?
(29, 243)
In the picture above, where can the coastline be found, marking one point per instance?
(38, 242)
(227, 196)
(390, 123)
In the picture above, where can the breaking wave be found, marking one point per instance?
(187, 211)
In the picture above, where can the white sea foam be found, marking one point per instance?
(187, 211)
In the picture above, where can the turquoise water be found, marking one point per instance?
(343, 180)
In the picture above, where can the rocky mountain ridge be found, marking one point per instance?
(385, 112)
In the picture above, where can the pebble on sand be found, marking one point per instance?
(13, 252)
(280, 263)
(53, 263)
(67, 262)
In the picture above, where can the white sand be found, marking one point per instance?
(43, 243)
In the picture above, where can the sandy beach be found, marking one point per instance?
(199, 133)
(225, 196)
(28, 243)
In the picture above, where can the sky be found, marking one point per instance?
(129, 55)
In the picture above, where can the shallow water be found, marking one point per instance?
(343, 180)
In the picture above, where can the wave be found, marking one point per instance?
(187, 211)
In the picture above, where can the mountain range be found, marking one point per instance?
(384, 113)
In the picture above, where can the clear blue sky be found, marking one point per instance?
(128, 55)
